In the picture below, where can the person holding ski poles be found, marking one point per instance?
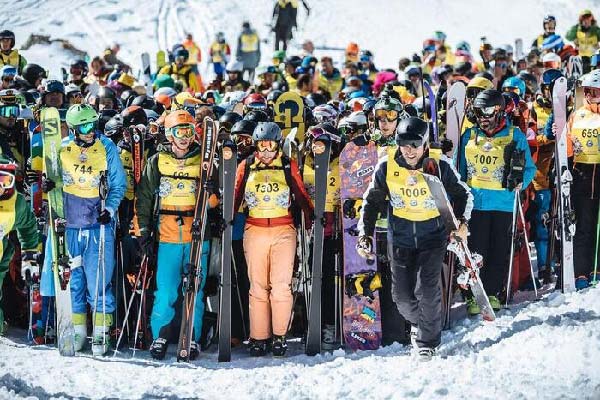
(417, 235)
(488, 150)
(84, 156)
(168, 189)
(269, 185)
(582, 128)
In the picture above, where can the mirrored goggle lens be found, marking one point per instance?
(86, 128)
(485, 111)
(183, 131)
(7, 180)
(390, 115)
(257, 106)
(347, 130)
(414, 143)
(593, 92)
(266, 145)
(315, 132)
(9, 111)
(511, 90)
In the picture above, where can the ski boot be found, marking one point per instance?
(101, 334)
(426, 353)
(258, 347)
(472, 306)
(279, 346)
(581, 283)
(495, 303)
(80, 327)
(329, 339)
(158, 348)
(194, 350)
(414, 330)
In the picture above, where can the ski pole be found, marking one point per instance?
(522, 217)
(512, 247)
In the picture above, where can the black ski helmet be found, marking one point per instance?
(114, 127)
(489, 98)
(229, 119)
(257, 116)
(32, 72)
(81, 64)
(144, 101)
(107, 93)
(6, 34)
(273, 96)
(134, 115)
(266, 131)
(104, 117)
(243, 127)
(317, 98)
(412, 131)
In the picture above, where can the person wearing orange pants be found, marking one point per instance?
(267, 184)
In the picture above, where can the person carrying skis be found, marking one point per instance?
(586, 36)
(417, 235)
(84, 155)
(16, 214)
(582, 129)
(488, 150)
(8, 54)
(165, 201)
(268, 184)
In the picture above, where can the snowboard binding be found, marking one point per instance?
(363, 284)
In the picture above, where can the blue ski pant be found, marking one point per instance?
(542, 200)
(171, 259)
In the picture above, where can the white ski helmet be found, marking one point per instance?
(357, 121)
(591, 79)
(234, 66)
(325, 113)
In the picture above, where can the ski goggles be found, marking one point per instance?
(414, 143)
(180, 59)
(348, 130)
(267, 146)
(256, 106)
(509, 89)
(316, 131)
(243, 140)
(85, 129)
(10, 111)
(7, 180)
(183, 131)
(486, 112)
(389, 115)
(225, 126)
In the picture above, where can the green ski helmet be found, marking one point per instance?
(82, 118)
(388, 107)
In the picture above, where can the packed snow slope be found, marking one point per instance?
(545, 350)
(391, 29)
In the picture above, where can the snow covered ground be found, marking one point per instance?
(549, 349)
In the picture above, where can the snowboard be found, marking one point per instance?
(36, 150)
(228, 171)
(321, 151)
(161, 60)
(469, 264)
(566, 214)
(289, 114)
(51, 134)
(362, 312)
(192, 270)
(519, 49)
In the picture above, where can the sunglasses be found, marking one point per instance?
(511, 90)
(86, 129)
(502, 65)
(183, 131)
(415, 143)
(389, 115)
(485, 112)
(9, 111)
(7, 180)
(267, 146)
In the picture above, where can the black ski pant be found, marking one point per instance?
(240, 318)
(584, 243)
(393, 325)
(282, 36)
(417, 292)
(490, 236)
(330, 248)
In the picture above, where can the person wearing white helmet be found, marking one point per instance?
(235, 81)
(583, 127)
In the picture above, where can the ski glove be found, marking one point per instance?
(30, 266)
(104, 217)
(364, 247)
(47, 185)
(461, 233)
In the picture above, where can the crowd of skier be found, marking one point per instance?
(114, 194)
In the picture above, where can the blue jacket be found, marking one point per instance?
(82, 212)
(497, 200)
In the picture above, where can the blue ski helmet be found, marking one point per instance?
(515, 82)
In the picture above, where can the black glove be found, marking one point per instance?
(47, 185)
(211, 187)
(104, 217)
(348, 208)
(146, 243)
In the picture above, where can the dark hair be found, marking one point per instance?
(303, 79)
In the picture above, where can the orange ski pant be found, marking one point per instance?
(270, 253)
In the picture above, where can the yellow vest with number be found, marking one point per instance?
(249, 42)
(218, 52)
(12, 58)
(332, 199)
(178, 181)
(586, 45)
(542, 114)
(7, 219)
(267, 194)
(127, 162)
(584, 134)
(485, 160)
(81, 167)
(410, 196)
